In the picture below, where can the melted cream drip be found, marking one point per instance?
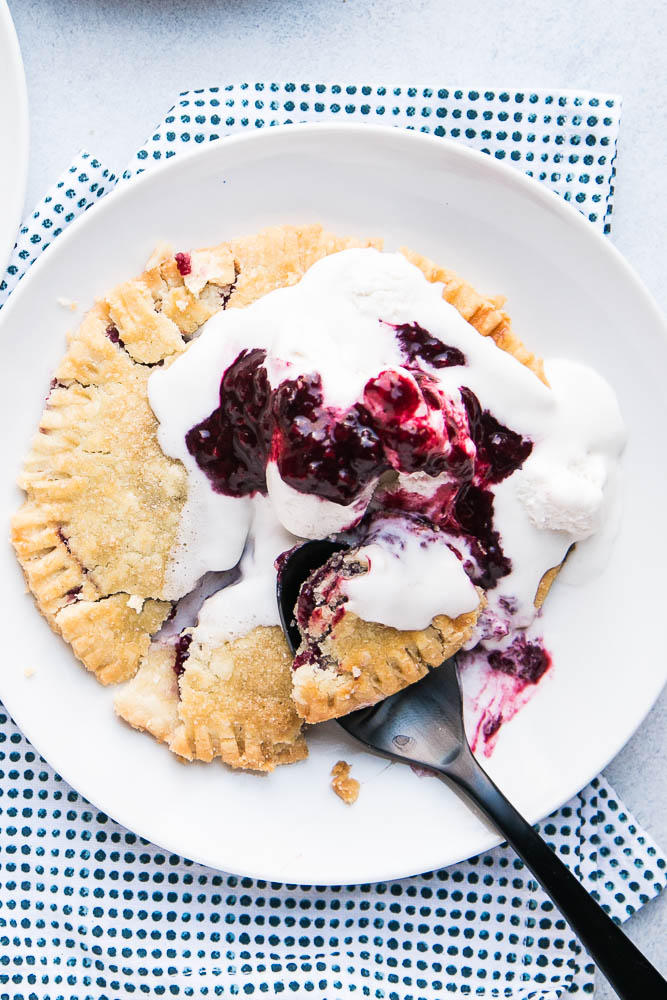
(252, 601)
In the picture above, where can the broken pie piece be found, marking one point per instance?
(232, 702)
(345, 663)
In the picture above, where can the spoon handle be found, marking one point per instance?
(631, 975)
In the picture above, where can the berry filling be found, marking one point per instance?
(232, 445)
(527, 661)
(402, 422)
(320, 449)
(113, 335)
(500, 451)
(182, 648)
(183, 263)
(418, 344)
(321, 605)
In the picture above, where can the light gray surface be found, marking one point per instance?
(101, 74)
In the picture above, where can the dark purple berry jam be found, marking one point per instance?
(182, 653)
(113, 335)
(418, 344)
(183, 263)
(402, 422)
(473, 518)
(319, 449)
(527, 661)
(500, 451)
(400, 413)
(232, 445)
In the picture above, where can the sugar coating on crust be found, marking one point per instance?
(97, 471)
(233, 702)
(236, 702)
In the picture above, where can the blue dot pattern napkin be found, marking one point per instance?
(565, 139)
(90, 911)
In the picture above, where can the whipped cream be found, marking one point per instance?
(310, 516)
(341, 322)
(413, 575)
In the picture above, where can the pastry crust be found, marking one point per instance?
(369, 662)
(103, 503)
(344, 662)
(150, 700)
(546, 584)
(109, 636)
(232, 702)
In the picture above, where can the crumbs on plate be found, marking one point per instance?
(68, 303)
(345, 787)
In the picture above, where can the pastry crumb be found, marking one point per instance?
(136, 603)
(345, 787)
(68, 304)
(29, 672)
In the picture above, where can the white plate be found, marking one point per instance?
(570, 293)
(13, 135)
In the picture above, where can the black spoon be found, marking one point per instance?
(423, 725)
